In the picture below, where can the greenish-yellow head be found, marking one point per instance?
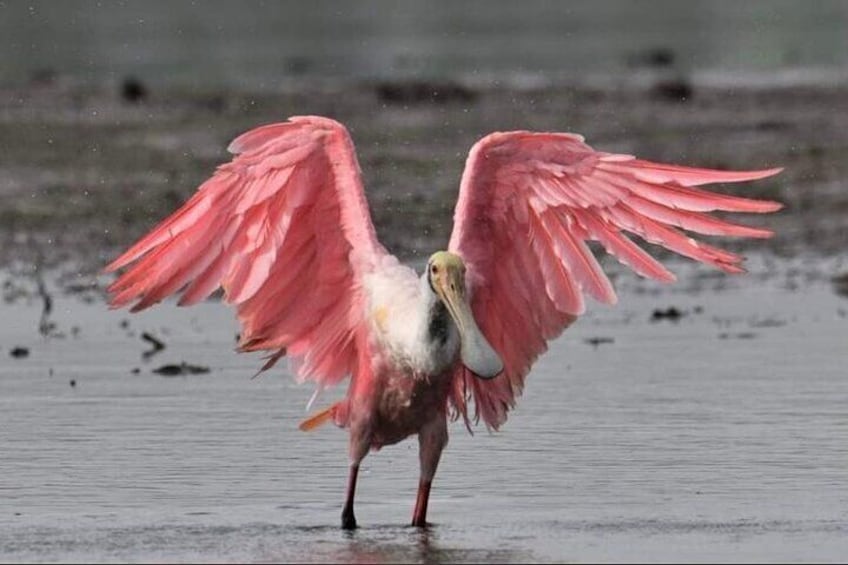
(444, 264)
(446, 274)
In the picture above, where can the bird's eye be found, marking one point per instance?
(434, 269)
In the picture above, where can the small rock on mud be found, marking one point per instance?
(421, 92)
(657, 57)
(738, 335)
(173, 370)
(674, 90)
(596, 341)
(671, 313)
(156, 343)
(19, 352)
(133, 90)
(840, 284)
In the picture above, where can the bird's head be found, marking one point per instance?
(446, 275)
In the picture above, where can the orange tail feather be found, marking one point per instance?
(317, 419)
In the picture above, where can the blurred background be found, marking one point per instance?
(111, 113)
(263, 45)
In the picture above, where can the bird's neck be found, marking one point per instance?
(438, 332)
(438, 323)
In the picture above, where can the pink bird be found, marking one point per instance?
(284, 228)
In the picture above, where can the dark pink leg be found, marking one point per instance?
(348, 519)
(419, 516)
(432, 439)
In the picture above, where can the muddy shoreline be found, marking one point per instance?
(87, 169)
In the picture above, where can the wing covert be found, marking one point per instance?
(529, 202)
(284, 228)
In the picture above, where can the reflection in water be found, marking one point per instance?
(390, 544)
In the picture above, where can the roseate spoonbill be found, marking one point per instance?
(284, 228)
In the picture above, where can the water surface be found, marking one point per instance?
(721, 436)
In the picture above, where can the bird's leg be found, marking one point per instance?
(419, 515)
(432, 439)
(348, 518)
(360, 442)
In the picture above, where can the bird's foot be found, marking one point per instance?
(423, 524)
(348, 521)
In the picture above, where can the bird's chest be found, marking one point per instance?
(417, 342)
(418, 350)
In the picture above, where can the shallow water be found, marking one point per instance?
(266, 44)
(721, 436)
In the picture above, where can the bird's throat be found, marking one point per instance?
(438, 324)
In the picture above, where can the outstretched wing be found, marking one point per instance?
(528, 202)
(284, 228)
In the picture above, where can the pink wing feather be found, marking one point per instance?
(528, 203)
(285, 229)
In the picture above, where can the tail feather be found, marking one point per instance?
(318, 419)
